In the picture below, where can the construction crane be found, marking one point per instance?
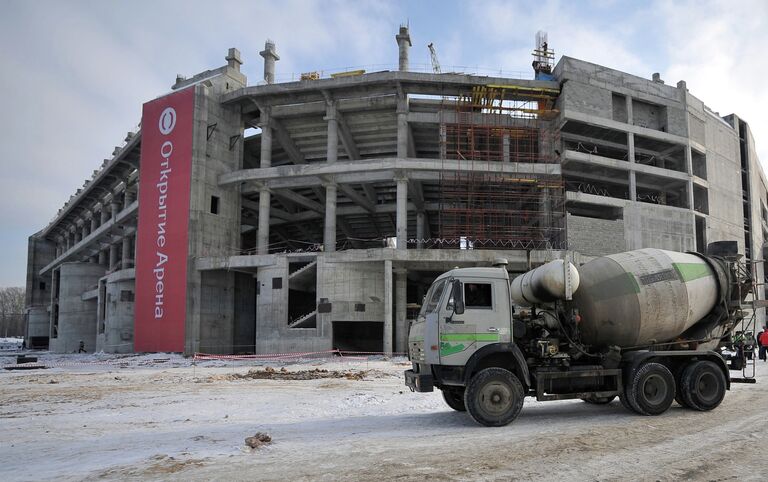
(433, 56)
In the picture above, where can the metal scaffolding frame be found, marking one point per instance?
(483, 208)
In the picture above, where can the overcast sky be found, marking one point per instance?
(75, 73)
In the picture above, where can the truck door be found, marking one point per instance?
(481, 323)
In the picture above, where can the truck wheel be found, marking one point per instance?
(652, 389)
(599, 400)
(494, 397)
(703, 386)
(454, 397)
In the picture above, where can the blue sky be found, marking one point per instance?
(75, 74)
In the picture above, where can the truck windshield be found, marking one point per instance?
(433, 298)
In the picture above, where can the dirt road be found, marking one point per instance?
(360, 423)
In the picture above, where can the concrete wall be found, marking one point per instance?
(272, 332)
(725, 221)
(119, 304)
(38, 323)
(215, 307)
(217, 149)
(654, 226)
(77, 318)
(595, 237)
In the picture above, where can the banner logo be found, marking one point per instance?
(167, 121)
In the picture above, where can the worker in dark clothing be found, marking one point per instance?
(762, 342)
(81, 348)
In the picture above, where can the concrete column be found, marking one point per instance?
(102, 257)
(112, 257)
(690, 194)
(401, 322)
(505, 146)
(402, 127)
(266, 137)
(262, 235)
(84, 230)
(329, 230)
(76, 236)
(93, 222)
(631, 159)
(103, 215)
(629, 110)
(387, 307)
(403, 44)
(114, 208)
(402, 213)
(128, 198)
(126, 252)
(332, 153)
(443, 141)
(270, 57)
(68, 243)
(420, 220)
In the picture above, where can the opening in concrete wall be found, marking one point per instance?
(598, 141)
(594, 211)
(701, 234)
(661, 154)
(662, 191)
(596, 180)
(365, 336)
(619, 104)
(700, 199)
(699, 162)
(648, 115)
(302, 294)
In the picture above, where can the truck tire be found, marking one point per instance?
(599, 400)
(494, 397)
(454, 397)
(703, 386)
(652, 389)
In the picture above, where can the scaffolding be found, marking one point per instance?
(493, 192)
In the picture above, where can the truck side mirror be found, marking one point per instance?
(458, 297)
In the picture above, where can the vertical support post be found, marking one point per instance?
(443, 141)
(505, 146)
(401, 322)
(93, 222)
(332, 153)
(631, 159)
(112, 257)
(262, 235)
(402, 212)
(126, 252)
(630, 113)
(387, 348)
(102, 257)
(103, 215)
(114, 207)
(420, 220)
(329, 230)
(402, 126)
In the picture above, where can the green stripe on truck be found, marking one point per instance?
(470, 337)
(692, 271)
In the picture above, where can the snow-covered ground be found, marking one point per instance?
(165, 417)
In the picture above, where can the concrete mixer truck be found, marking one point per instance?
(642, 325)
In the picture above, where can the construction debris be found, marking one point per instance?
(258, 440)
(270, 373)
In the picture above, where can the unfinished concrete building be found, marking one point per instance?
(317, 212)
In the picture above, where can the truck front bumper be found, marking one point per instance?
(419, 382)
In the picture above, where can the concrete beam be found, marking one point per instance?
(300, 200)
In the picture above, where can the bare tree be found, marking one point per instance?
(12, 311)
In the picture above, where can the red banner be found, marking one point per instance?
(161, 250)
